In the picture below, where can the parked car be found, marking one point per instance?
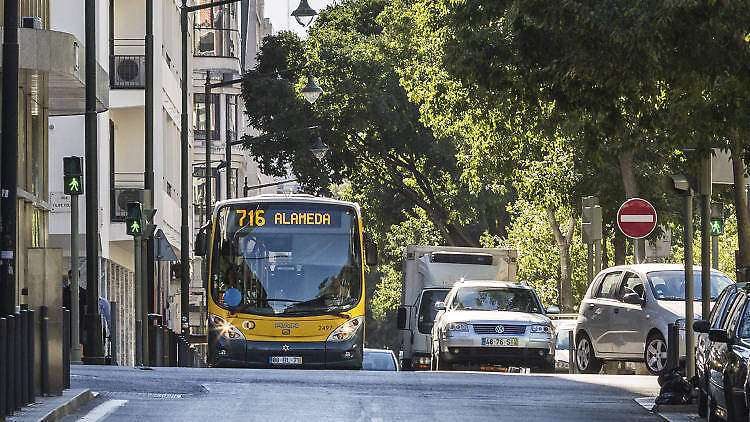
(493, 322)
(726, 361)
(379, 360)
(715, 320)
(625, 313)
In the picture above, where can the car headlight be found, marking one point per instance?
(225, 328)
(347, 330)
(541, 329)
(457, 326)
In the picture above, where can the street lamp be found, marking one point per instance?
(304, 13)
(319, 148)
(311, 91)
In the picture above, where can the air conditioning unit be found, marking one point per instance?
(129, 71)
(124, 196)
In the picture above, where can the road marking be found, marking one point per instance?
(635, 218)
(99, 412)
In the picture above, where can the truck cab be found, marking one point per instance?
(429, 272)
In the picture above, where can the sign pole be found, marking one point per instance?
(75, 305)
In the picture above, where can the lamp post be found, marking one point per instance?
(304, 13)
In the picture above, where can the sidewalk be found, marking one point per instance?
(672, 412)
(50, 409)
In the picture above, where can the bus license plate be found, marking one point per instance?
(286, 360)
(499, 342)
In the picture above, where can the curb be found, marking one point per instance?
(669, 413)
(69, 406)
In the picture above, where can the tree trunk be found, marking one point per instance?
(630, 185)
(605, 251)
(619, 245)
(740, 199)
(563, 246)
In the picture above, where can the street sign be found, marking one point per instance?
(636, 218)
(717, 218)
(133, 223)
(72, 175)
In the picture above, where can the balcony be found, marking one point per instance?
(127, 187)
(216, 42)
(127, 66)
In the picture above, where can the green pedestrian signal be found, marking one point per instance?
(717, 227)
(72, 176)
(133, 224)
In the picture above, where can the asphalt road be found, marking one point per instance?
(221, 395)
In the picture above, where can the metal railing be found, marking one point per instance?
(216, 42)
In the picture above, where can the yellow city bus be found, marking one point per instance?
(285, 282)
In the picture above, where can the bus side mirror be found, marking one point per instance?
(401, 318)
(201, 241)
(371, 251)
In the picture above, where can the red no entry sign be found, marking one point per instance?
(636, 218)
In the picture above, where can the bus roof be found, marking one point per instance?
(296, 198)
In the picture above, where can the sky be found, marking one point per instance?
(278, 11)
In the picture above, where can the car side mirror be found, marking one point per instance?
(633, 299)
(701, 326)
(439, 306)
(717, 335)
(553, 309)
(371, 251)
(401, 318)
(201, 241)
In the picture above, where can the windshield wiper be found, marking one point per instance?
(671, 298)
(314, 311)
(272, 299)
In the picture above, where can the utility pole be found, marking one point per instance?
(185, 179)
(705, 204)
(228, 146)
(9, 154)
(93, 349)
(148, 174)
(134, 227)
(209, 175)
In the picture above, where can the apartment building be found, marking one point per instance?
(226, 41)
(121, 27)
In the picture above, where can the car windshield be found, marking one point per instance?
(291, 259)
(427, 310)
(378, 361)
(496, 299)
(670, 284)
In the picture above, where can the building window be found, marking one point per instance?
(199, 116)
(231, 118)
(215, 31)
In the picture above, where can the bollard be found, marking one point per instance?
(66, 348)
(3, 367)
(113, 334)
(158, 345)
(23, 357)
(165, 346)
(673, 346)
(172, 348)
(571, 352)
(43, 352)
(10, 397)
(32, 352)
(18, 384)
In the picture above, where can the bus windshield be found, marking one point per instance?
(286, 259)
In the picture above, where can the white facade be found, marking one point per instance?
(120, 50)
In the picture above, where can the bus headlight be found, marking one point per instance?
(225, 328)
(347, 330)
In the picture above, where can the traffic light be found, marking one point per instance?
(133, 220)
(72, 176)
(717, 218)
(591, 220)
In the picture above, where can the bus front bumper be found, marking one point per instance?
(286, 354)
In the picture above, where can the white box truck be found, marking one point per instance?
(428, 274)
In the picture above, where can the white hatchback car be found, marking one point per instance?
(625, 313)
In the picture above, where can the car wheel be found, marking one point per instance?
(655, 354)
(702, 403)
(586, 359)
